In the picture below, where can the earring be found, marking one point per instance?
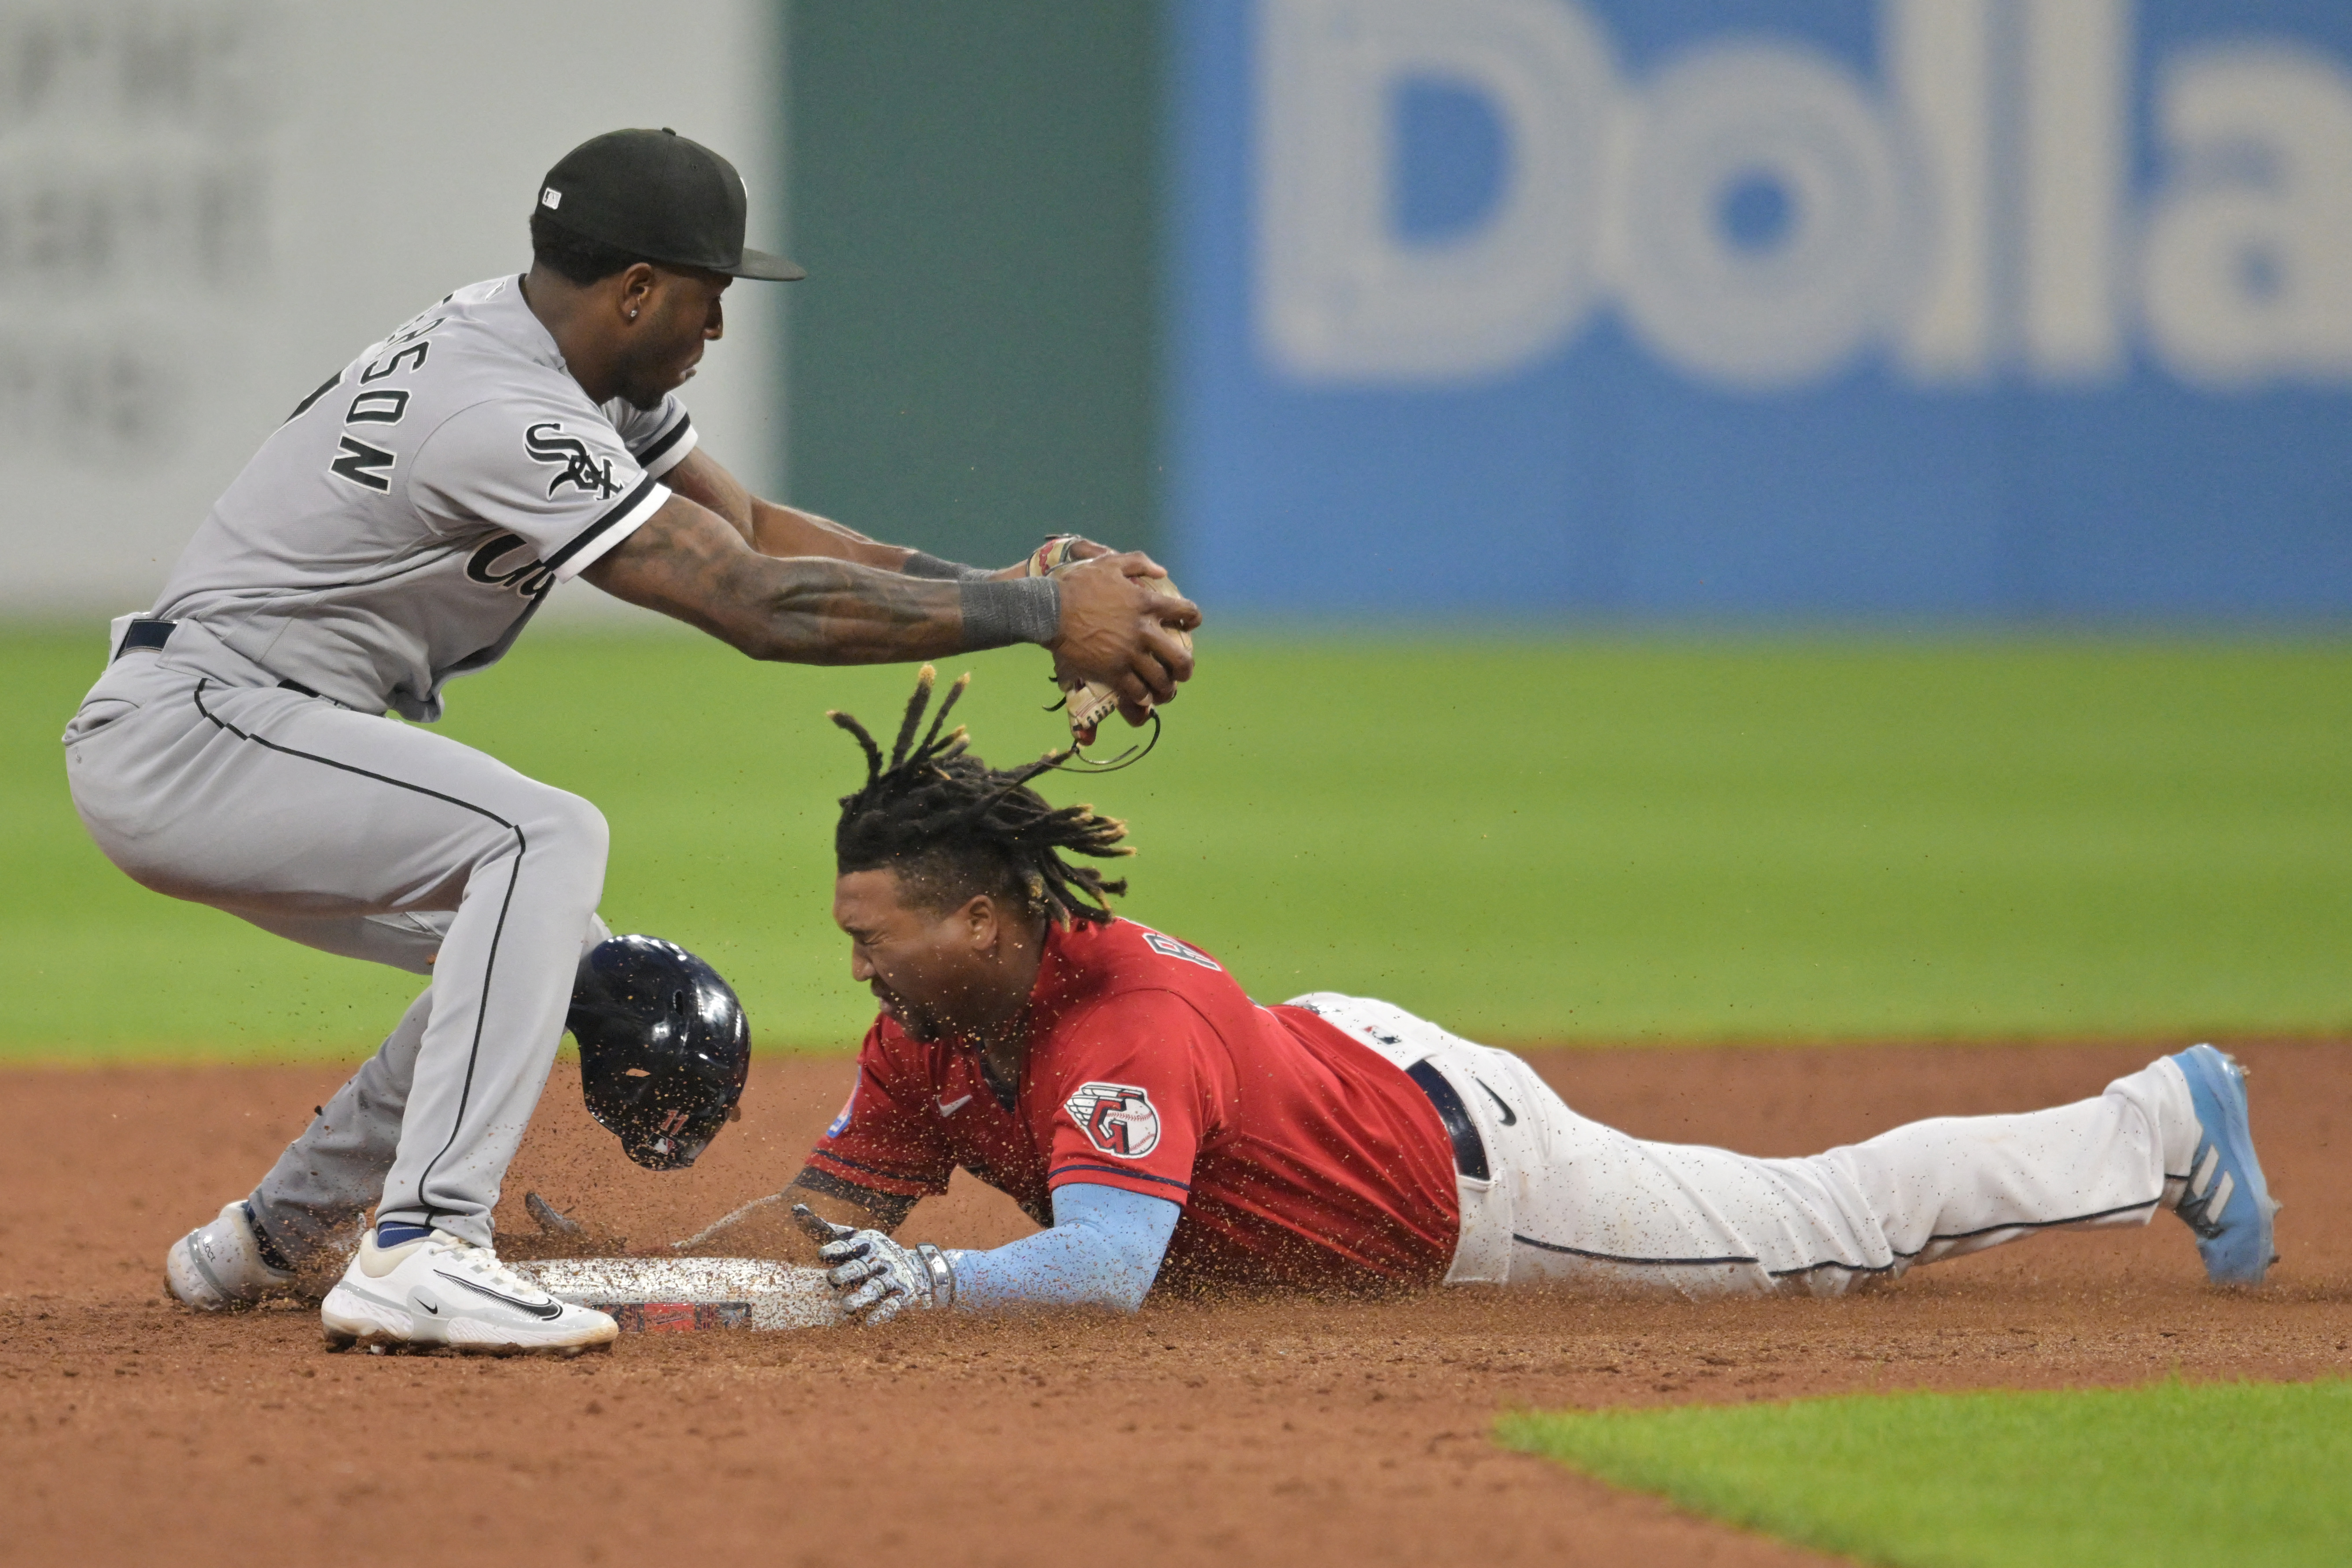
(632, 315)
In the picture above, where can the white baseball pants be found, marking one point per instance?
(1569, 1201)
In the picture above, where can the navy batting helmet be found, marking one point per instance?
(664, 1047)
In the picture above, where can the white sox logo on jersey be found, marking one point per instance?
(1117, 1118)
(583, 469)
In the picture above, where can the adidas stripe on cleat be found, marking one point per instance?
(2226, 1201)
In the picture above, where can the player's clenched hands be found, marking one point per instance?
(1118, 631)
(873, 1277)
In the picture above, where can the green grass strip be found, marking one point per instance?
(1527, 838)
(2192, 1475)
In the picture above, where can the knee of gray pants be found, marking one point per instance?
(573, 829)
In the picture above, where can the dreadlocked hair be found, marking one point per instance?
(952, 826)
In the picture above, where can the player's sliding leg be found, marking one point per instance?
(2172, 1135)
(1706, 1221)
(1571, 1201)
(1956, 1184)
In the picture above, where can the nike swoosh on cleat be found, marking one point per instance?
(948, 1107)
(545, 1314)
(1510, 1117)
(431, 1307)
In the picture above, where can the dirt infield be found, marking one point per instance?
(1264, 1433)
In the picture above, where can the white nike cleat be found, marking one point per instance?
(441, 1293)
(218, 1267)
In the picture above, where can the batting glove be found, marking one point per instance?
(874, 1278)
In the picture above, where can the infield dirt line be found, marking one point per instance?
(1237, 1433)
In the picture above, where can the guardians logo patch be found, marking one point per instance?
(1117, 1118)
(1169, 947)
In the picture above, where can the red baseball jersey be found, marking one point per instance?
(1301, 1157)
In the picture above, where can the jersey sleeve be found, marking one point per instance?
(658, 437)
(1134, 1091)
(557, 476)
(881, 1140)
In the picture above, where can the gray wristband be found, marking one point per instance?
(922, 563)
(1023, 609)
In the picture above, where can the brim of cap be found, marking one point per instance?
(767, 265)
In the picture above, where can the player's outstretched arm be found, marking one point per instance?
(1103, 1249)
(687, 562)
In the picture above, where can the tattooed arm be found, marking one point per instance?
(687, 562)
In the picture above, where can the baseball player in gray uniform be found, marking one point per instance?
(399, 529)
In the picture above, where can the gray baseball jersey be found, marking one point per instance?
(404, 522)
(398, 528)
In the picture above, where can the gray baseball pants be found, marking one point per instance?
(202, 778)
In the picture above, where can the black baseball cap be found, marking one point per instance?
(655, 193)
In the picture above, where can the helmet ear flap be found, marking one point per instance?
(665, 1049)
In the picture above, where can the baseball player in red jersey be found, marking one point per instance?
(1297, 1160)
(1168, 1131)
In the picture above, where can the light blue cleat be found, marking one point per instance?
(2228, 1204)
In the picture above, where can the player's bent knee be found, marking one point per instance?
(570, 831)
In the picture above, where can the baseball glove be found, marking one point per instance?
(1087, 702)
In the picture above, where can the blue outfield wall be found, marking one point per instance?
(2000, 308)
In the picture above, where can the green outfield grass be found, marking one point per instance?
(2191, 1475)
(1525, 839)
